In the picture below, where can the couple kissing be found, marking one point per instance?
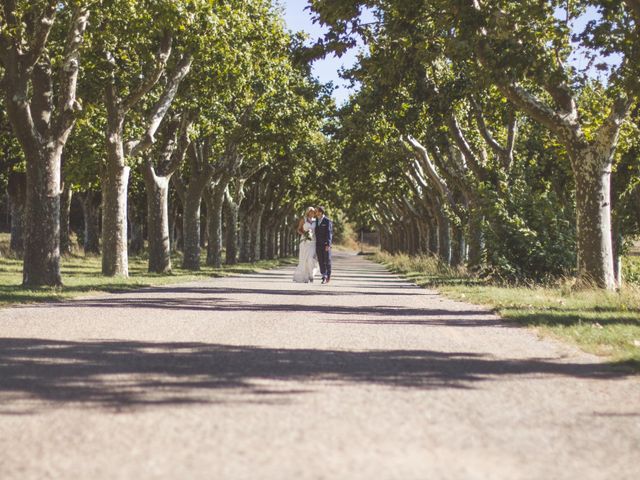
(316, 234)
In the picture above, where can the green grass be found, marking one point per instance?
(604, 323)
(82, 275)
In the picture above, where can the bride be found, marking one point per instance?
(307, 263)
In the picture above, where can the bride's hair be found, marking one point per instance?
(309, 209)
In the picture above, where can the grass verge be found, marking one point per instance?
(603, 323)
(82, 275)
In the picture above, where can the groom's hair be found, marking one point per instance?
(320, 209)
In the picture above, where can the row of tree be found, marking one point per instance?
(140, 108)
(499, 134)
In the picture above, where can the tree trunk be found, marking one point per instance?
(42, 221)
(294, 245)
(232, 211)
(215, 203)
(256, 235)
(593, 206)
(42, 131)
(424, 231)
(136, 229)
(90, 209)
(444, 238)
(458, 246)
(17, 198)
(115, 259)
(204, 231)
(65, 210)
(279, 246)
(175, 227)
(245, 238)
(157, 188)
(416, 236)
(191, 229)
(263, 243)
(271, 244)
(618, 242)
(475, 239)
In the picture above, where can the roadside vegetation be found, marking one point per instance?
(82, 275)
(597, 321)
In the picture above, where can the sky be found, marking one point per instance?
(299, 19)
(327, 70)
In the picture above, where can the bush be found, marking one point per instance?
(631, 269)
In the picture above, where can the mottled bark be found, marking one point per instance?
(245, 238)
(215, 203)
(204, 231)
(115, 259)
(90, 214)
(157, 176)
(42, 116)
(201, 173)
(232, 210)
(271, 243)
(65, 230)
(135, 220)
(594, 235)
(263, 241)
(433, 238)
(17, 200)
(458, 246)
(157, 188)
(42, 225)
(191, 229)
(475, 239)
(591, 161)
(175, 227)
(294, 245)
(255, 226)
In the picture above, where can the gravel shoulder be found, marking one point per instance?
(256, 377)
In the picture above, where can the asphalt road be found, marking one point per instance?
(254, 377)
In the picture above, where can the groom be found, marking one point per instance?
(324, 237)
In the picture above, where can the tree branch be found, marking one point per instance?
(558, 123)
(465, 148)
(42, 29)
(68, 104)
(161, 64)
(425, 161)
(161, 107)
(483, 129)
(252, 172)
(181, 188)
(512, 134)
(41, 104)
(634, 5)
(607, 134)
(181, 147)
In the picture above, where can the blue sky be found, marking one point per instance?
(327, 70)
(299, 19)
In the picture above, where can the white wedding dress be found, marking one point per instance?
(307, 263)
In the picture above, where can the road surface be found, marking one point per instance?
(254, 377)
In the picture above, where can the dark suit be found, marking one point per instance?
(324, 237)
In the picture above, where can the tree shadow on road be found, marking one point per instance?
(202, 299)
(40, 373)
